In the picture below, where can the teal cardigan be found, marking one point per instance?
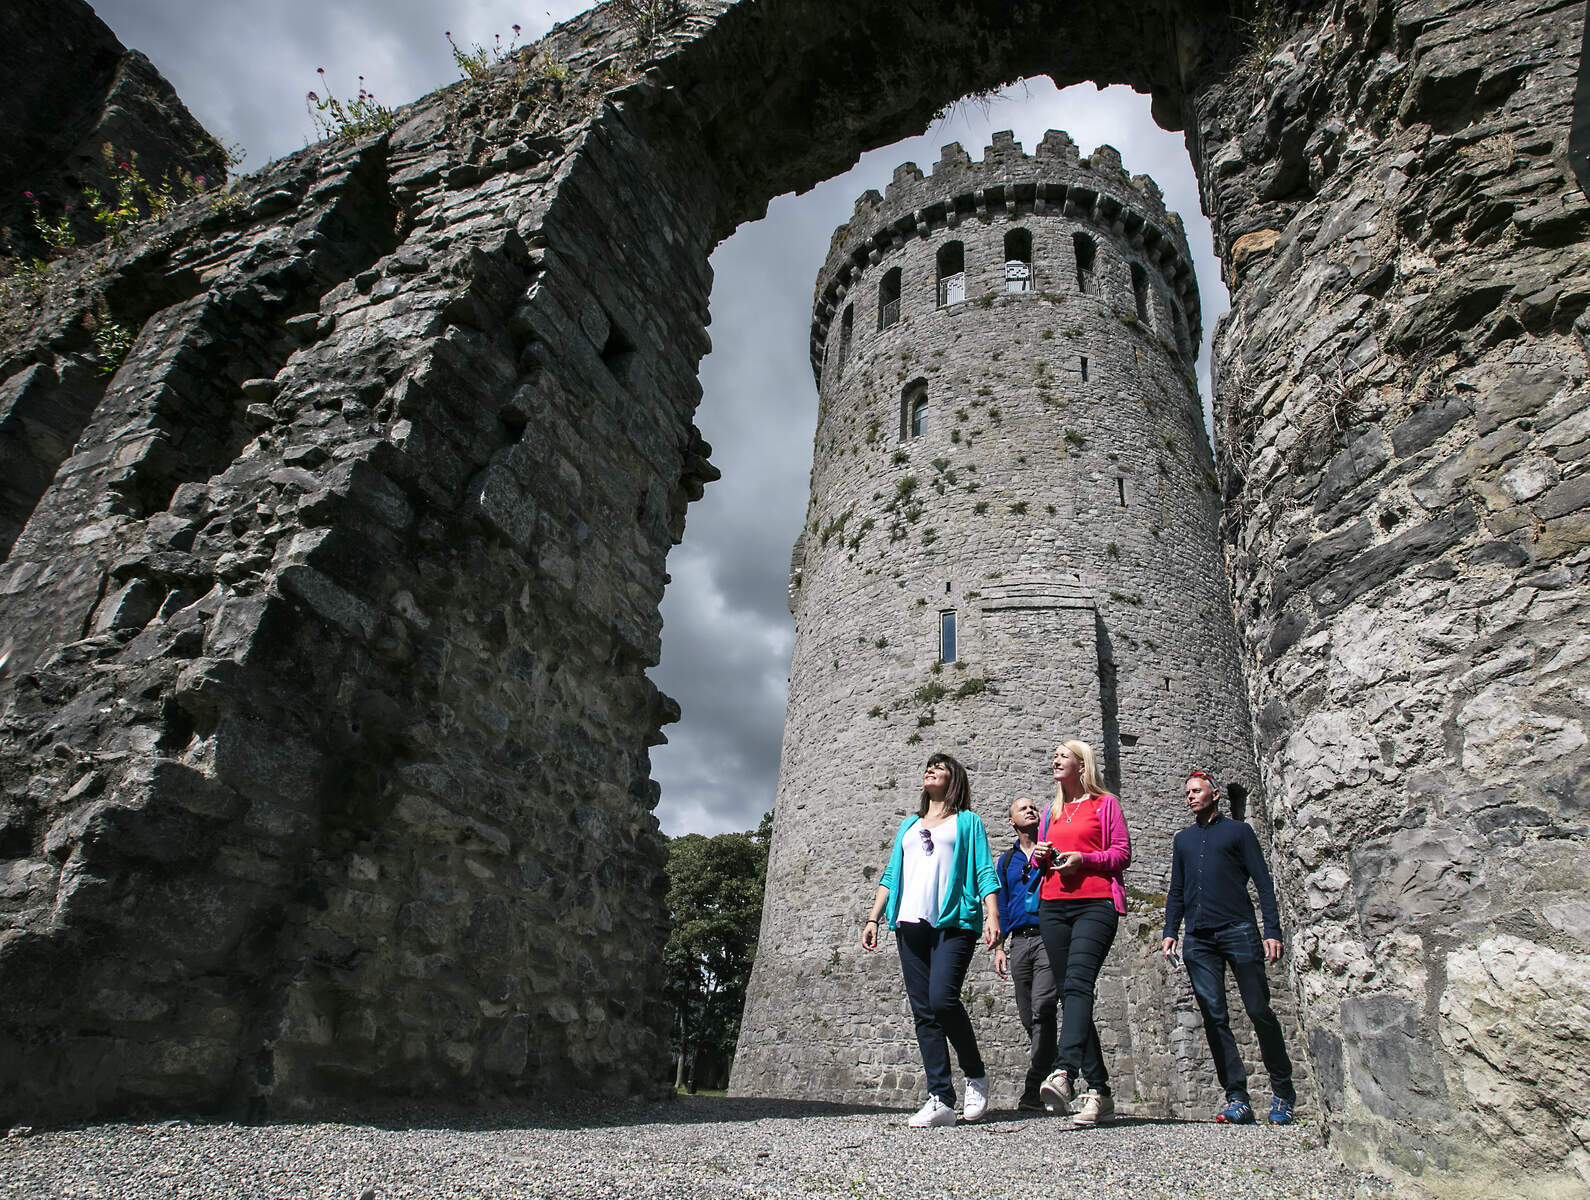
(973, 879)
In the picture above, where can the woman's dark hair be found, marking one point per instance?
(959, 793)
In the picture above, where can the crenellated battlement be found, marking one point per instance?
(1055, 182)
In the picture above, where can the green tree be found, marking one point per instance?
(715, 901)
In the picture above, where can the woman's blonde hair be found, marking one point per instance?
(1092, 783)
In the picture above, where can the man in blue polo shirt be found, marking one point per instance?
(1211, 863)
(1020, 956)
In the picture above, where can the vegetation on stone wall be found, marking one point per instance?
(715, 903)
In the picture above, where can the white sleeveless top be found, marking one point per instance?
(924, 877)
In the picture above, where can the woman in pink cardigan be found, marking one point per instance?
(1083, 847)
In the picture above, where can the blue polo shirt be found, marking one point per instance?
(1013, 912)
(1210, 866)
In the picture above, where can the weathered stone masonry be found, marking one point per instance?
(323, 742)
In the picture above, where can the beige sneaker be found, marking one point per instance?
(1096, 1107)
(1057, 1092)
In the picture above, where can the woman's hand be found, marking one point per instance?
(1069, 863)
(869, 934)
(1042, 852)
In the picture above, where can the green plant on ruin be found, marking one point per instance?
(914, 740)
(478, 61)
(57, 234)
(980, 507)
(900, 457)
(1019, 507)
(135, 198)
(356, 118)
(974, 686)
(112, 341)
(833, 527)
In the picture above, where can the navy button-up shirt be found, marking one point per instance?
(1210, 866)
(1013, 887)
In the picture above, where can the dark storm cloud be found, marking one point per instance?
(243, 68)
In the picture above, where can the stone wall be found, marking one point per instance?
(338, 594)
(1404, 408)
(325, 725)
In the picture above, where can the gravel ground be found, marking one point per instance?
(694, 1149)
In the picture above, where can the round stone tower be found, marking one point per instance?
(1011, 540)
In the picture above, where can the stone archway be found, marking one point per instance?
(325, 726)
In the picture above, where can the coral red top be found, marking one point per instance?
(1094, 828)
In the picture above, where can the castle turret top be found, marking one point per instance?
(1055, 181)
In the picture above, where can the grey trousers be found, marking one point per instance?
(1037, 1002)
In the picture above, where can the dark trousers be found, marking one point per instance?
(1037, 1002)
(1078, 934)
(934, 962)
(1207, 955)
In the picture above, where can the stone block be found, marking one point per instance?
(1390, 1059)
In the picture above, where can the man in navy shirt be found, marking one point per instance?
(1020, 956)
(1211, 863)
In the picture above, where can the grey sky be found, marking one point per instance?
(243, 67)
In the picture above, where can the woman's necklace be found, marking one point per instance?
(1068, 807)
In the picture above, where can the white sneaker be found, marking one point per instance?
(1096, 1107)
(976, 1098)
(1057, 1092)
(934, 1112)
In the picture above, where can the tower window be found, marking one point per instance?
(1018, 261)
(947, 637)
(847, 325)
(1084, 368)
(1087, 258)
(1140, 291)
(889, 299)
(952, 273)
(913, 410)
(1120, 489)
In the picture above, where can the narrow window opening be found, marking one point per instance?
(1087, 257)
(946, 587)
(1018, 261)
(1140, 291)
(1120, 489)
(618, 352)
(1128, 740)
(846, 327)
(951, 273)
(889, 299)
(947, 637)
(1084, 368)
(913, 410)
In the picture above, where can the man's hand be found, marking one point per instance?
(1168, 947)
(1001, 962)
(1272, 950)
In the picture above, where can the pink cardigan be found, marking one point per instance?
(1117, 853)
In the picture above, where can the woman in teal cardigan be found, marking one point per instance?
(940, 874)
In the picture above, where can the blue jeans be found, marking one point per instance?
(1077, 935)
(934, 962)
(1207, 954)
